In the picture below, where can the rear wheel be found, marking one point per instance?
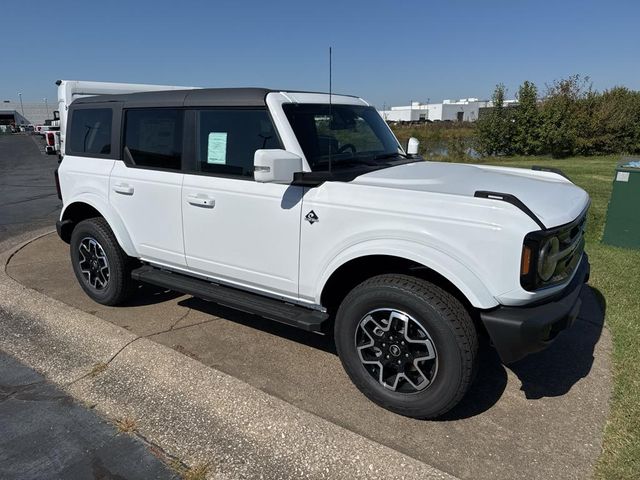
(407, 345)
(100, 265)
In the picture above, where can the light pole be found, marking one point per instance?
(46, 104)
(21, 106)
(426, 118)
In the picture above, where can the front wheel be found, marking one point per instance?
(102, 268)
(408, 345)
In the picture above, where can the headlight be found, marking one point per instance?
(548, 258)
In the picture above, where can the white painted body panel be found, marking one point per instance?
(249, 234)
(85, 180)
(554, 199)
(473, 242)
(148, 202)
(460, 243)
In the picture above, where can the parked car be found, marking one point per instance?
(304, 208)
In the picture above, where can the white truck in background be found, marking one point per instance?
(52, 135)
(70, 90)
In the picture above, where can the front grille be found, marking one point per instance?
(571, 248)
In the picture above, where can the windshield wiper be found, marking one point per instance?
(382, 156)
(348, 161)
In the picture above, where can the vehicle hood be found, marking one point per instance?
(551, 197)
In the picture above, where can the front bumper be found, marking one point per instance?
(519, 331)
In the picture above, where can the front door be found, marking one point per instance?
(237, 230)
(145, 188)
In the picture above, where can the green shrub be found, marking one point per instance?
(571, 119)
(496, 128)
(564, 115)
(526, 140)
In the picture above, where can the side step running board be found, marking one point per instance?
(304, 318)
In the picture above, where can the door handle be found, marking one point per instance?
(201, 200)
(123, 188)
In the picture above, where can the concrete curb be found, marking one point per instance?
(193, 412)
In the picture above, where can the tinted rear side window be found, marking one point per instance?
(154, 137)
(227, 140)
(91, 131)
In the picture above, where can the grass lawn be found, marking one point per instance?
(616, 274)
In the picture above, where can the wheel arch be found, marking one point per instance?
(86, 207)
(352, 267)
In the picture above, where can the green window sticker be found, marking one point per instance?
(217, 148)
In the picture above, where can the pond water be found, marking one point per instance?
(442, 149)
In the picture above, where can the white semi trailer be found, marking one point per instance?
(70, 90)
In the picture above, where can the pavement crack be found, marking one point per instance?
(180, 319)
(121, 349)
(174, 329)
(19, 389)
(156, 449)
(92, 372)
(113, 357)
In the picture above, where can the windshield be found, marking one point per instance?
(349, 135)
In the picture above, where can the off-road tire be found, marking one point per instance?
(442, 316)
(120, 285)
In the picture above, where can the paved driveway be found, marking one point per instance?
(28, 197)
(540, 418)
(44, 433)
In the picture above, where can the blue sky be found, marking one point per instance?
(389, 52)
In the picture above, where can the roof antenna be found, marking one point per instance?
(330, 109)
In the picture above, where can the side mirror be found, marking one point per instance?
(275, 166)
(412, 146)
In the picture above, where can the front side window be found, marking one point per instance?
(345, 135)
(90, 131)
(227, 140)
(153, 137)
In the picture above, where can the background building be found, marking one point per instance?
(463, 110)
(11, 117)
(35, 113)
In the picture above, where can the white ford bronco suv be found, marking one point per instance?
(303, 208)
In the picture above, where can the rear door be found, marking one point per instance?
(91, 151)
(237, 230)
(145, 187)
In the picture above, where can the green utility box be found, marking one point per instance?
(623, 217)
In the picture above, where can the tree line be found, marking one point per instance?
(570, 119)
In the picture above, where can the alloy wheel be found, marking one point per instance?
(396, 350)
(93, 263)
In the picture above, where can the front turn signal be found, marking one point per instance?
(525, 264)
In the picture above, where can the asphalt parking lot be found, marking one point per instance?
(44, 432)
(28, 198)
(541, 417)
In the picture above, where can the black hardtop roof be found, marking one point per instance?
(202, 97)
(237, 97)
